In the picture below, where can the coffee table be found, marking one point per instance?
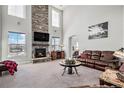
(70, 67)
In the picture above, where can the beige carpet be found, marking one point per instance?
(48, 75)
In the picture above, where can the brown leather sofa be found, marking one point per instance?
(98, 59)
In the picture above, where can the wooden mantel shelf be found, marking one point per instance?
(40, 44)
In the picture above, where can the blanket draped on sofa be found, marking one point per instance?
(11, 66)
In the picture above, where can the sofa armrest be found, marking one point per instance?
(113, 63)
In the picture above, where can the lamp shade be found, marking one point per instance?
(119, 53)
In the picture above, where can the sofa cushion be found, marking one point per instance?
(107, 55)
(90, 65)
(95, 57)
(89, 56)
(84, 56)
(89, 52)
(100, 67)
(90, 61)
(101, 63)
(98, 53)
(81, 59)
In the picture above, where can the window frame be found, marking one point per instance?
(17, 53)
(16, 9)
(59, 13)
(54, 45)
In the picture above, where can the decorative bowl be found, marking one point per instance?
(70, 61)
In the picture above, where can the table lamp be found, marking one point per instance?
(119, 53)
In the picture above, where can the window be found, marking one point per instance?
(16, 43)
(55, 18)
(56, 43)
(18, 11)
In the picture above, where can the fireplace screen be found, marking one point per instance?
(41, 52)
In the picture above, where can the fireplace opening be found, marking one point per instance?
(40, 52)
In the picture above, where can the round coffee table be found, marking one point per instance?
(70, 67)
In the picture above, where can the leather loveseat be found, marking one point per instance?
(98, 59)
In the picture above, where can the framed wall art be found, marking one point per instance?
(98, 31)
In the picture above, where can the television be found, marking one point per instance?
(39, 36)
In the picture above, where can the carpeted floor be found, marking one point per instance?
(48, 75)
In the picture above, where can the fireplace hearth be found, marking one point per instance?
(40, 52)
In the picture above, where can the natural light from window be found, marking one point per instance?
(17, 10)
(55, 18)
(16, 42)
(56, 43)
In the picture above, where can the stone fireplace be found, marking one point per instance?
(39, 24)
(40, 52)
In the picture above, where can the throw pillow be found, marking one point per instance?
(95, 57)
(107, 55)
(121, 69)
(98, 53)
(84, 56)
(88, 56)
(120, 76)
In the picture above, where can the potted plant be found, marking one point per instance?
(70, 61)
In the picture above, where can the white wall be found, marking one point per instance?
(76, 20)
(9, 23)
(0, 31)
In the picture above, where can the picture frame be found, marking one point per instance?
(98, 31)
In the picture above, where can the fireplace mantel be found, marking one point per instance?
(40, 13)
(35, 44)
